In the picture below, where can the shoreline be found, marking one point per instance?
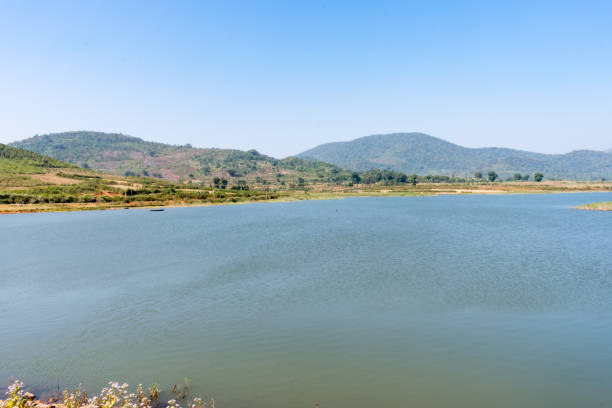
(115, 395)
(6, 209)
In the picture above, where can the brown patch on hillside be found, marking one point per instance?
(53, 178)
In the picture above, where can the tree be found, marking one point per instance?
(355, 178)
(517, 177)
(413, 179)
(240, 185)
(525, 177)
(478, 175)
(216, 182)
(538, 177)
(492, 176)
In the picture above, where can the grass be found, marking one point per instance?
(132, 194)
(80, 189)
(603, 206)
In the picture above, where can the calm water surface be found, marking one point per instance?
(463, 301)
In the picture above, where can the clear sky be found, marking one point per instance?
(281, 77)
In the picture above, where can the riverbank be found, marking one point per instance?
(115, 395)
(318, 192)
(603, 206)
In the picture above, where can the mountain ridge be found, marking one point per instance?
(422, 154)
(119, 154)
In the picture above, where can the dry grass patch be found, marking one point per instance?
(603, 206)
(53, 178)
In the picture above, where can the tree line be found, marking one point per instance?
(493, 176)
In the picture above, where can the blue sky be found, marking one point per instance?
(282, 77)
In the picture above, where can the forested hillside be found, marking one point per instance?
(125, 155)
(423, 154)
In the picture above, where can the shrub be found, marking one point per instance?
(74, 399)
(15, 396)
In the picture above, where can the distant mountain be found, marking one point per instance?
(126, 155)
(422, 154)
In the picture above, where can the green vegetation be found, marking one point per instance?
(603, 206)
(36, 183)
(133, 157)
(423, 154)
(27, 178)
(134, 190)
(18, 161)
(16, 397)
(213, 168)
(236, 170)
(114, 396)
(386, 177)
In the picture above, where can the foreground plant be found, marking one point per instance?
(16, 396)
(154, 392)
(76, 398)
(115, 395)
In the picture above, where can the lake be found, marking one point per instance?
(463, 301)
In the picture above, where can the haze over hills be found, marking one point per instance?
(126, 155)
(423, 154)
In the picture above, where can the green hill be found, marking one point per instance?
(32, 182)
(126, 155)
(423, 154)
(18, 161)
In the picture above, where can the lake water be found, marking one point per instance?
(462, 301)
